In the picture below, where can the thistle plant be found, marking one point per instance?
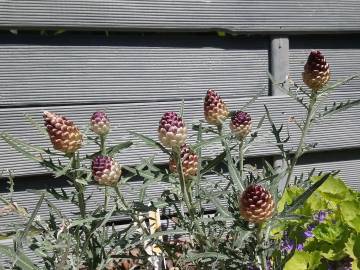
(240, 233)
(89, 239)
(224, 212)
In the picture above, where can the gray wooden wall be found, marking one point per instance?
(160, 52)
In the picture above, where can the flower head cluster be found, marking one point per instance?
(100, 123)
(241, 124)
(189, 161)
(172, 130)
(106, 170)
(64, 135)
(316, 71)
(215, 110)
(256, 204)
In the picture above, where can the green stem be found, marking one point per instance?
(198, 176)
(259, 240)
(78, 186)
(186, 192)
(299, 150)
(220, 130)
(241, 159)
(103, 152)
(132, 215)
(102, 144)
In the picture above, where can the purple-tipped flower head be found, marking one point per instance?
(189, 162)
(316, 71)
(215, 110)
(106, 170)
(64, 135)
(172, 130)
(241, 124)
(100, 123)
(256, 204)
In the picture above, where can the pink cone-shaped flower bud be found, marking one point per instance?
(215, 110)
(64, 135)
(106, 170)
(256, 204)
(100, 123)
(241, 124)
(172, 130)
(189, 162)
(316, 71)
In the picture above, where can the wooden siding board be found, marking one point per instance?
(144, 117)
(238, 16)
(129, 69)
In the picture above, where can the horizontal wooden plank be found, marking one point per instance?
(128, 68)
(187, 15)
(341, 131)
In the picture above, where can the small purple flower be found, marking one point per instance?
(309, 231)
(300, 247)
(287, 245)
(268, 264)
(321, 216)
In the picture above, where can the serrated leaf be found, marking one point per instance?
(192, 256)
(338, 107)
(203, 143)
(219, 207)
(40, 128)
(18, 258)
(281, 87)
(331, 87)
(150, 142)
(30, 221)
(253, 99)
(213, 163)
(113, 150)
(81, 181)
(23, 147)
(233, 171)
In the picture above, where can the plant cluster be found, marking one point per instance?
(223, 213)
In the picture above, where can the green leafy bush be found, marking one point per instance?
(327, 233)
